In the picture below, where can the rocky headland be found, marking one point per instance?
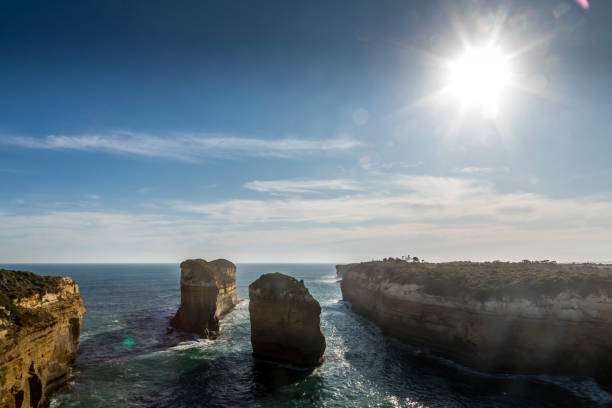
(40, 326)
(285, 321)
(495, 317)
(208, 291)
(341, 269)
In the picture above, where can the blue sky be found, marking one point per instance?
(151, 131)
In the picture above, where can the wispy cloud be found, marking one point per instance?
(184, 147)
(92, 196)
(436, 218)
(473, 170)
(16, 171)
(420, 199)
(302, 186)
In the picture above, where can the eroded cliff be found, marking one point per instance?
(285, 321)
(208, 291)
(516, 318)
(341, 269)
(40, 326)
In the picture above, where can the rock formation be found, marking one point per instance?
(495, 319)
(285, 321)
(208, 291)
(40, 326)
(341, 269)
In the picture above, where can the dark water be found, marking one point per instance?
(128, 360)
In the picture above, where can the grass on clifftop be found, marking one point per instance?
(494, 280)
(20, 284)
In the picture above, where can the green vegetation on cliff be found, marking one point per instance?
(21, 284)
(493, 280)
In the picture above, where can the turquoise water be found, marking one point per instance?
(127, 359)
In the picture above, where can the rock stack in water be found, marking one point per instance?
(285, 321)
(40, 327)
(208, 291)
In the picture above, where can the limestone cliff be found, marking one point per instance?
(341, 269)
(513, 318)
(285, 321)
(208, 291)
(40, 325)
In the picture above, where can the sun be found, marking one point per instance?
(479, 78)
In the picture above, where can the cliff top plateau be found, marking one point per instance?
(219, 272)
(276, 286)
(492, 280)
(16, 285)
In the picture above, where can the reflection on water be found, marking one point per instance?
(128, 360)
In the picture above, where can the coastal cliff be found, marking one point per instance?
(495, 317)
(40, 326)
(285, 321)
(341, 269)
(208, 291)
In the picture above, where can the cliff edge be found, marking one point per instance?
(341, 269)
(495, 317)
(208, 291)
(40, 326)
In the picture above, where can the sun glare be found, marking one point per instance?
(478, 79)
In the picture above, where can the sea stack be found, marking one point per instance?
(40, 327)
(208, 291)
(285, 321)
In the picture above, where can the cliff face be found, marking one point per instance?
(208, 291)
(285, 321)
(566, 331)
(40, 325)
(341, 269)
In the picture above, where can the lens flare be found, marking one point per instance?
(479, 77)
(583, 3)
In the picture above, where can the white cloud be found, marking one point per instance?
(431, 217)
(302, 186)
(473, 170)
(398, 164)
(144, 190)
(184, 147)
(92, 196)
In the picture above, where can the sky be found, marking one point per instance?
(282, 131)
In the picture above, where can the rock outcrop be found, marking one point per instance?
(341, 269)
(285, 321)
(493, 318)
(40, 326)
(208, 291)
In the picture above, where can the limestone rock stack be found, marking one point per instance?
(285, 321)
(40, 326)
(208, 291)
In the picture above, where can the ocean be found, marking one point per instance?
(128, 360)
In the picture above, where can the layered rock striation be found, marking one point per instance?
(40, 326)
(516, 318)
(285, 321)
(208, 291)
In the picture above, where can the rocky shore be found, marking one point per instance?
(40, 326)
(208, 291)
(285, 321)
(494, 317)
